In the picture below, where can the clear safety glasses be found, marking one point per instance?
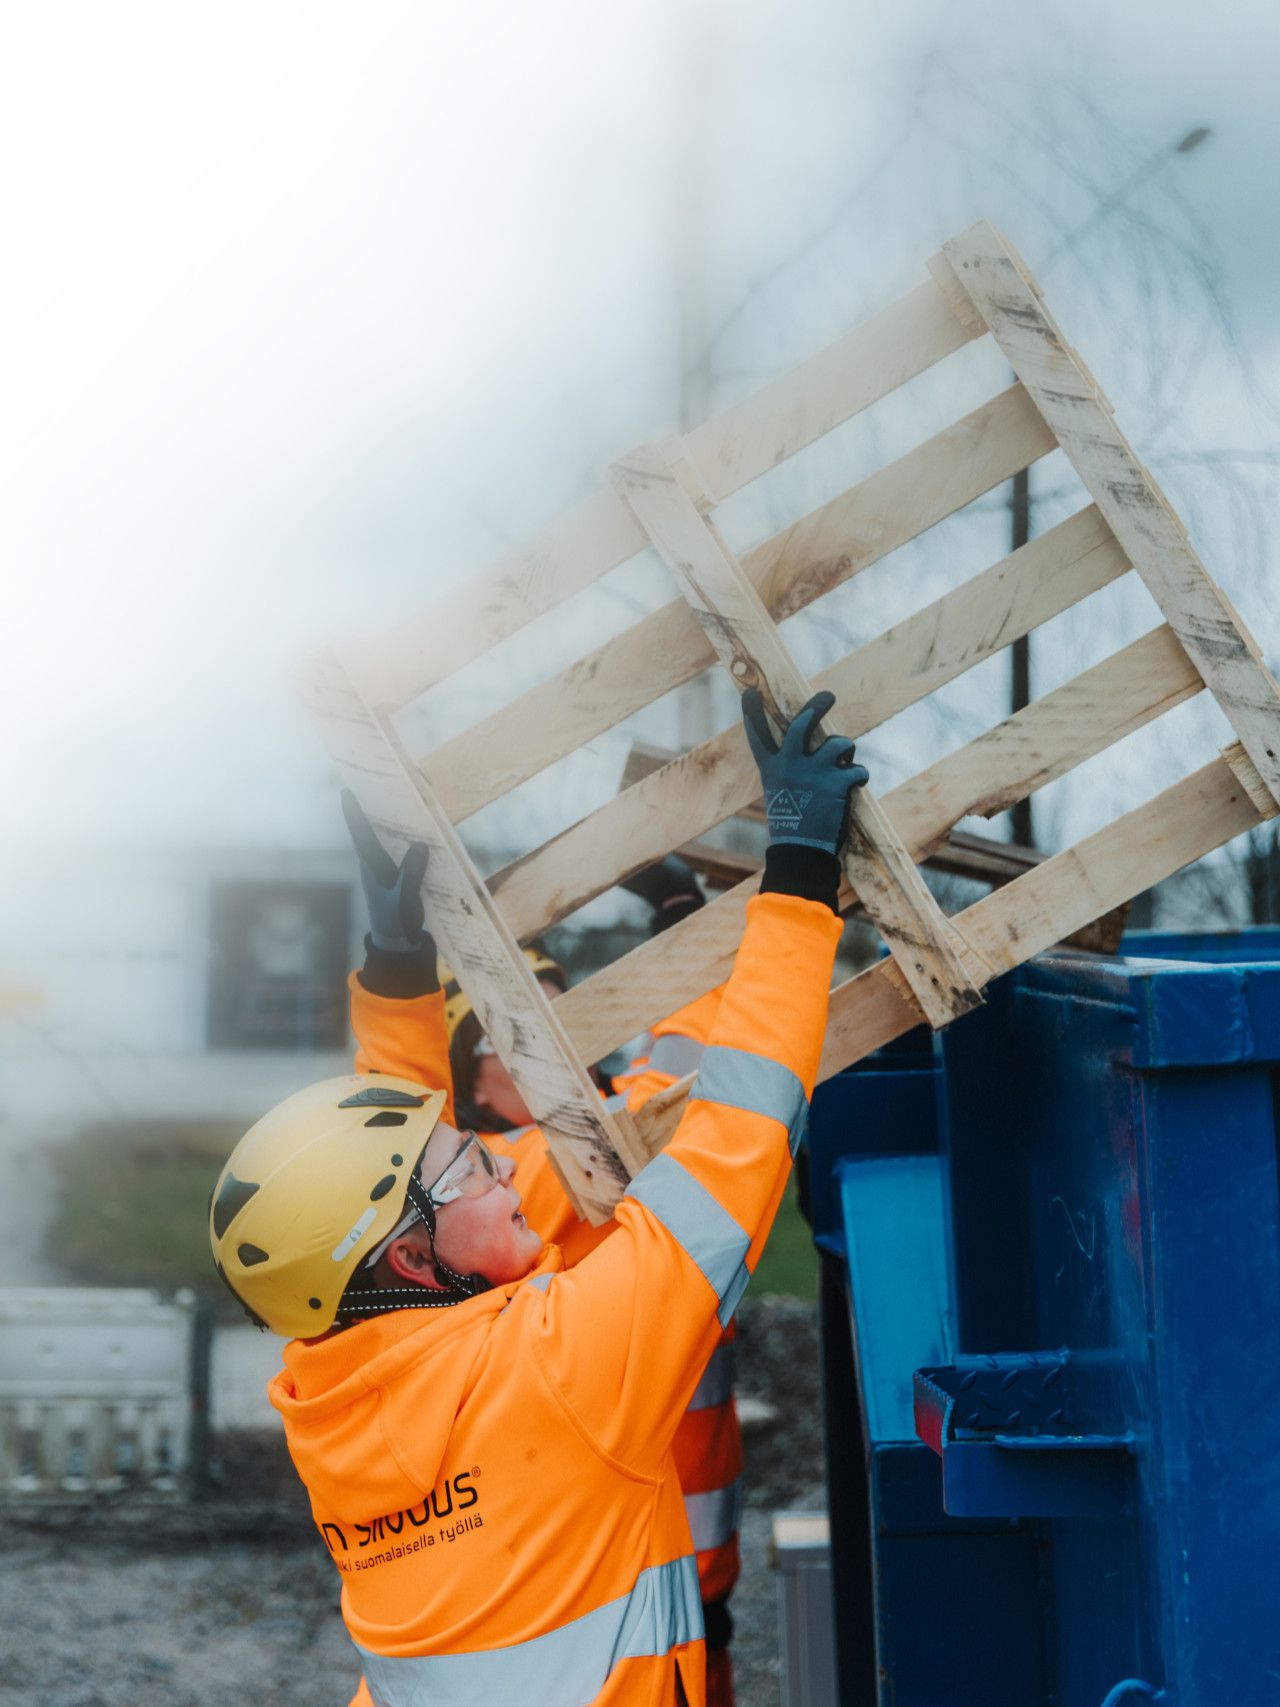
(471, 1173)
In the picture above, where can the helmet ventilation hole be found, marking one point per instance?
(232, 1198)
(382, 1096)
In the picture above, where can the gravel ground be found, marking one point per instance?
(783, 1471)
(234, 1600)
(105, 1625)
(778, 1365)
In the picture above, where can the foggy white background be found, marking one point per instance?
(310, 309)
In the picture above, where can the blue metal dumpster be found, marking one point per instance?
(1050, 1247)
(1252, 943)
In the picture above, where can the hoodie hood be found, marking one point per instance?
(369, 1410)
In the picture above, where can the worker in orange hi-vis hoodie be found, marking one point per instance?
(486, 1434)
(402, 1026)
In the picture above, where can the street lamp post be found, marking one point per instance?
(1020, 651)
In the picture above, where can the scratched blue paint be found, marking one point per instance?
(1107, 1133)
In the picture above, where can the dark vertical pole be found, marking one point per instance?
(1020, 651)
(198, 1439)
(848, 1495)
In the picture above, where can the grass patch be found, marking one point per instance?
(132, 1205)
(132, 1210)
(788, 1263)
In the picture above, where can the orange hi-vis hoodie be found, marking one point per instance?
(408, 1037)
(414, 1044)
(495, 1480)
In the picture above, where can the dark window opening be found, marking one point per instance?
(278, 966)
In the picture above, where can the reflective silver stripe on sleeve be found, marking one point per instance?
(729, 1303)
(695, 1220)
(567, 1667)
(676, 1054)
(737, 1078)
(716, 1385)
(714, 1517)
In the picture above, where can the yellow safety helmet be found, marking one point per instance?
(456, 1005)
(312, 1189)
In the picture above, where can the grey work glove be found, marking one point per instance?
(806, 794)
(671, 890)
(393, 892)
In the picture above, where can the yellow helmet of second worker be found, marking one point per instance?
(456, 1004)
(312, 1189)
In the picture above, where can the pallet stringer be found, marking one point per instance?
(1002, 291)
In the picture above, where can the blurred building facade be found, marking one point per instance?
(187, 982)
(199, 982)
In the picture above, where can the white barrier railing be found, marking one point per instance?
(95, 1390)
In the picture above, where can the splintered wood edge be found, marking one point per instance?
(885, 878)
(630, 1146)
(562, 1179)
(657, 1119)
(648, 1132)
(1249, 777)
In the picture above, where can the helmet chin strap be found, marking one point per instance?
(377, 1301)
(470, 1285)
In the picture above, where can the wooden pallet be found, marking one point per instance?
(663, 495)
